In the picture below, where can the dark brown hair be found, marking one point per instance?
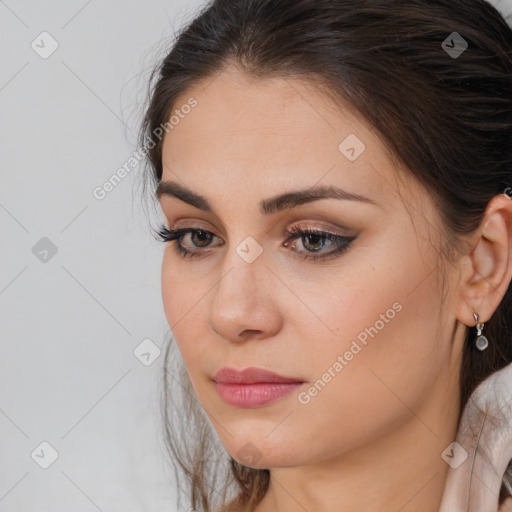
(446, 117)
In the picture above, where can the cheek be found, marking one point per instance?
(383, 324)
(181, 291)
(181, 298)
(186, 295)
(375, 386)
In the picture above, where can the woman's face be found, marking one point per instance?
(359, 327)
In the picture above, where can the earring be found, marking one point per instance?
(481, 342)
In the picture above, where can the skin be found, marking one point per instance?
(372, 438)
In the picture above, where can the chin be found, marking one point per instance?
(261, 453)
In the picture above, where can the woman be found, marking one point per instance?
(333, 176)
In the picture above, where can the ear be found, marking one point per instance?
(487, 270)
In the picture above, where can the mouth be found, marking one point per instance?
(252, 387)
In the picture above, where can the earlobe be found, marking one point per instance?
(488, 270)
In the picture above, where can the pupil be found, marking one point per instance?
(203, 235)
(318, 237)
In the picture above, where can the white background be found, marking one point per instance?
(68, 327)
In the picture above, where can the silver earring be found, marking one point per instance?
(481, 342)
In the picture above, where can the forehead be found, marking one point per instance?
(246, 133)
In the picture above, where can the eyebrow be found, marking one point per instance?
(267, 206)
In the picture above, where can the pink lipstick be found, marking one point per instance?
(252, 387)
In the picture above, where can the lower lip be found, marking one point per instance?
(254, 395)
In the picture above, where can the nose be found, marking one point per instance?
(244, 303)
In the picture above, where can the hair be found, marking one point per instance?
(447, 118)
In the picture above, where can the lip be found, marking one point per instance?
(251, 375)
(252, 387)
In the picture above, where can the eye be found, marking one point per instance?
(168, 235)
(313, 240)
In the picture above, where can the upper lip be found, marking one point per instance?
(252, 375)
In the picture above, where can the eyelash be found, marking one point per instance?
(165, 235)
